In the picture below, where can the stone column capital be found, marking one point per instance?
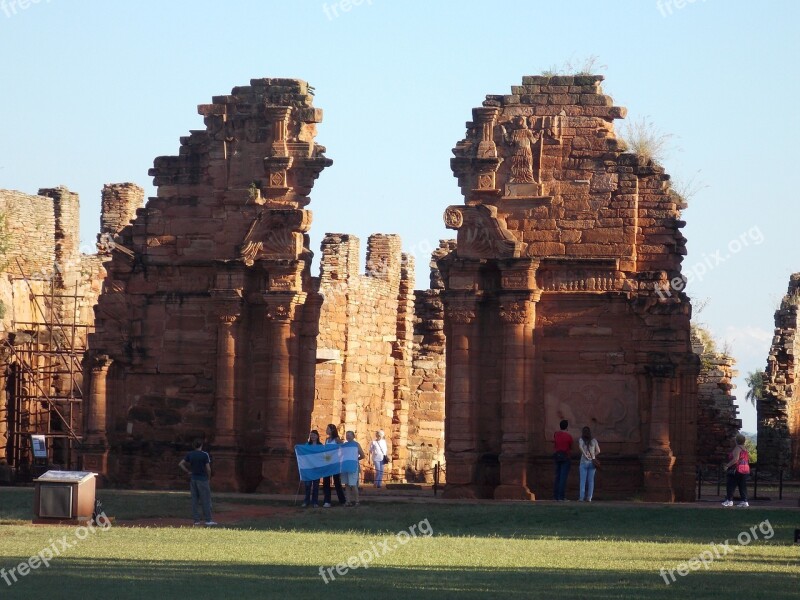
(100, 362)
(281, 306)
(515, 312)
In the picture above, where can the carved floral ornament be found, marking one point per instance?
(461, 315)
(453, 218)
(516, 312)
(280, 311)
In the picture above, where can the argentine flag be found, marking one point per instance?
(317, 461)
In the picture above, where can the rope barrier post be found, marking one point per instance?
(699, 483)
(435, 479)
(755, 481)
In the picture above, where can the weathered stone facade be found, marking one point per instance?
(551, 301)
(201, 328)
(363, 346)
(779, 409)
(717, 421)
(426, 417)
(48, 288)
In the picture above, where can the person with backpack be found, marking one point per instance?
(737, 470)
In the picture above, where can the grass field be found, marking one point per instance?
(458, 551)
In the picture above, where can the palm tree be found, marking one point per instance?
(755, 387)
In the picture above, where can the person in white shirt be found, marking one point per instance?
(589, 450)
(378, 453)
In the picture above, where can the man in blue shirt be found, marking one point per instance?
(197, 465)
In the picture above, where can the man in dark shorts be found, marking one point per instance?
(198, 465)
(562, 443)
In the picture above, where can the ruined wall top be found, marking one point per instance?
(544, 176)
(119, 203)
(258, 146)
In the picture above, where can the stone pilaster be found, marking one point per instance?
(95, 447)
(461, 427)
(657, 459)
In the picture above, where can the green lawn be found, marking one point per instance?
(475, 551)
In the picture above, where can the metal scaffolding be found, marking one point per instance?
(44, 379)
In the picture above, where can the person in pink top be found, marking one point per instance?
(562, 444)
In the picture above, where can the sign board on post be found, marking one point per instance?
(39, 445)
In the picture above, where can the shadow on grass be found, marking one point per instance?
(528, 521)
(186, 578)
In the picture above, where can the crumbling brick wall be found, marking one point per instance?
(27, 233)
(119, 203)
(426, 416)
(46, 286)
(363, 346)
(717, 422)
(779, 409)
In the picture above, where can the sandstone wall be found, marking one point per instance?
(46, 286)
(364, 340)
(555, 306)
(717, 422)
(426, 417)
(119, 203)
(205, 325)
(779, 409)
(27, 234)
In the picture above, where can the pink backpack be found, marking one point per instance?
(743, 466)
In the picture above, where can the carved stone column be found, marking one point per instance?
(658, 460)
(517, 313)
(461, 427)
(95, 447)
(279, 398)
(226, 442)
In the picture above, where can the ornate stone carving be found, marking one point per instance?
(526, 138)
(481, 232)
(453, 217)
(521, 139)
(515, 312)
(460, 315)
(275, 234)
(280, 311)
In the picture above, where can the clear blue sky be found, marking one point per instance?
(93, 91)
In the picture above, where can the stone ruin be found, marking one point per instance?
(717, 413)
(48, 288)
(554, 301)
(779, 408)
(210, 324)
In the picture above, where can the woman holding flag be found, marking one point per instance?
(312, 487)
(333, 438)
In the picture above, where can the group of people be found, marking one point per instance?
(378, 453)
(197, 464)
(562, 456)
(737, 467)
